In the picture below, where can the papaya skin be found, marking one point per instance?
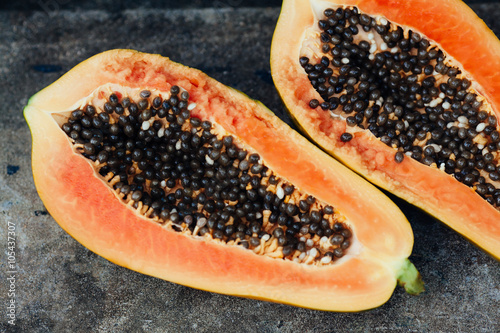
(452, 25)
(84, 206)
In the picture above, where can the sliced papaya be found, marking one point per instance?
(163, 170)
(407, 94)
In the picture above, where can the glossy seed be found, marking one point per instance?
(346, 137)
(145, 94)
(314, 103)
(399, 157)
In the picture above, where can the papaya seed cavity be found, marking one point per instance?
(189, 175)
(402, 88)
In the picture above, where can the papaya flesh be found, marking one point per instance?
(131, 222)
(407, 94)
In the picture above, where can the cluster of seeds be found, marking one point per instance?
(184, 173)
(396, 84)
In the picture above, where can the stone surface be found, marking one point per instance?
(61, 286)
(28, 5)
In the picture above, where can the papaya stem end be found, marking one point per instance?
(410, 278)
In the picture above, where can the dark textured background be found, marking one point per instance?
(63, 287)
(166, 4)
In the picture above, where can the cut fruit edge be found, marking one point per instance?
(87, 208)
(470, 215)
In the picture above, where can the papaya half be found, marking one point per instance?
(163, 170)
(405, 93)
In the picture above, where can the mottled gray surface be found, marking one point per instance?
(113, 4)
(62, 287)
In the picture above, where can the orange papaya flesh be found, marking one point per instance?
(464, 194)
(86, 204)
